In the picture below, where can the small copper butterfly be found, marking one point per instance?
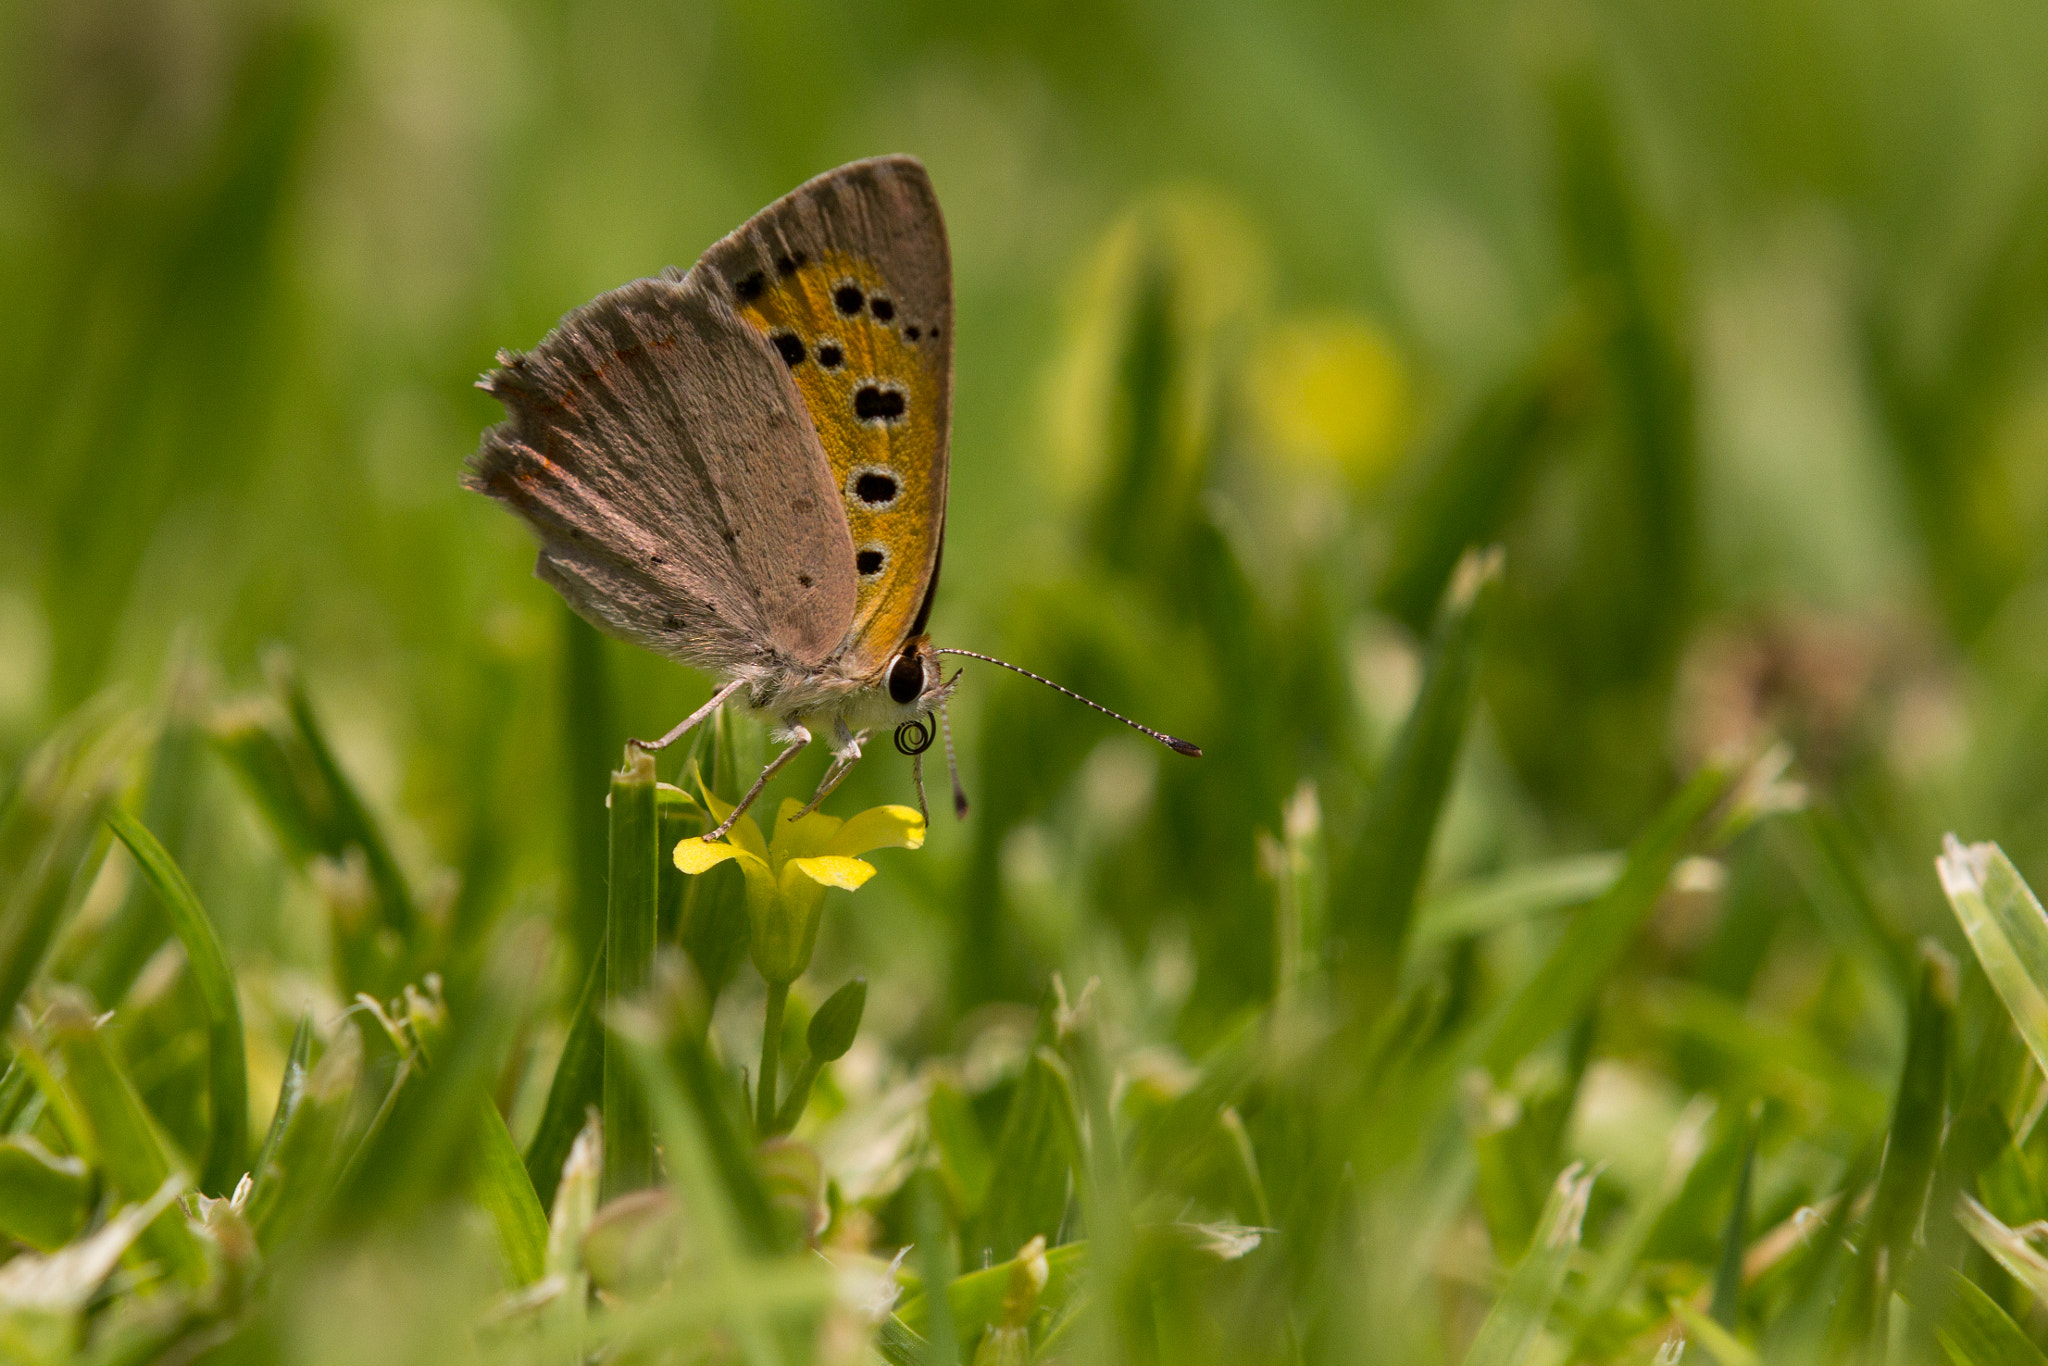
(743, 467)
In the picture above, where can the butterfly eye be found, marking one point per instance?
(906, 679)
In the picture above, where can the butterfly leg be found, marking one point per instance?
(843, 759)
(684, 726)
(798, 738)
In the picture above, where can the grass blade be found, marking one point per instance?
(577, 1087)
(44, 1199)
(1032, 1154)
(1912, 1147)
(1976, 1332)
(1726, 1306)
(134, 1156)
(2006, 1246)
(353, 822)
(1375, 903)
(1510, 1333)
(587, 742)
(1587, 954)
(628, 965)
(47, 830)
(290, 1090)
(293, 1185)
(498, 1182)
(694, 1172)
(1523, 893)
(2006, 928)
(227, 1051)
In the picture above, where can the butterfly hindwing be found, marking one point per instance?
(657, 444)
(849, 281)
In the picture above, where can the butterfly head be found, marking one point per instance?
(914, 684)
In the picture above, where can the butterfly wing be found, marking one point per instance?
(849, 280)
(656, 443)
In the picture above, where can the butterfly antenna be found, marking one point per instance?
(1178, 746)
(952, 764)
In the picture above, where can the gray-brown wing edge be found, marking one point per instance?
(658, 448)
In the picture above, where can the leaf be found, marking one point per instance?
(227, 1052)
(1510, 1333)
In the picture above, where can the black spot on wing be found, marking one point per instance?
(830, 356)
(847, 299)
(872, 403)
(881, 308)
(875, 487)
(869, 559)
(791, 346)
(749, 289)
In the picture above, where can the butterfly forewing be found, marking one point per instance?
(658, 445)
(849, 281)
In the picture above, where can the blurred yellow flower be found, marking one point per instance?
(788, 874)
(1330, 389)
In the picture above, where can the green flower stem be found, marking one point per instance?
(629, 958)
(771, 1057)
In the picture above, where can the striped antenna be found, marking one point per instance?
(1178, 746)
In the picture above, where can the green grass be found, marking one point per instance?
(1576, 471)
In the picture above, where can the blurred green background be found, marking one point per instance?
(1728, 321)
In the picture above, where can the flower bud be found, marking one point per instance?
(833, 1027)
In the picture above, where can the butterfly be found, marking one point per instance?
(743, 467)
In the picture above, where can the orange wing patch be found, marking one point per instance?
(870, 377)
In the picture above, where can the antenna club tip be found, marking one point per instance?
(1179, 746)
(960, 805)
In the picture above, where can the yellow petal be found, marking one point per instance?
(801, 838)
(880, 827)
(693, 855)
(747, 836)
(744, 832)
(832, 870)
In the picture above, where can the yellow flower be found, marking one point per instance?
(1331, 390)
(787, 876)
